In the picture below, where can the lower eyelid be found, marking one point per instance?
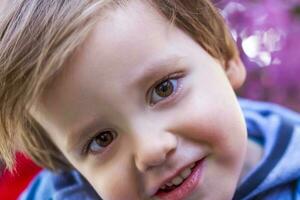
(174, 95)
(107, 148)
(179, 87)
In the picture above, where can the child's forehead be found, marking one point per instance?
(134, 34)
(134, 14)
(136, 18)
(115, 54)
(125, 34)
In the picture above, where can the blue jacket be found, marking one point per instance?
(276, 177)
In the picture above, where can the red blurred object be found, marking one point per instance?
(12, 185)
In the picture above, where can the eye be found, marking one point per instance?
(166, 88)
(98, 143)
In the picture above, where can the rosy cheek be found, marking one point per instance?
(199, 123)
(219, 128)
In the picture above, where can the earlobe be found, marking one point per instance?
(236, 72)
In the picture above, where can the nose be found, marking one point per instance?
(153, 149)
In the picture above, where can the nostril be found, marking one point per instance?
(152, 154)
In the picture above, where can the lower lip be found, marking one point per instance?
(186, 188)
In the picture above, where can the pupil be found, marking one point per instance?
(104, 139)
(164, 89)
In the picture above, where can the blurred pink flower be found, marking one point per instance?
(267, 33)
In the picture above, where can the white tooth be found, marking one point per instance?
(177, 180)
(169, 184)
(186, 173)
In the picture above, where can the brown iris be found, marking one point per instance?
(164, 89)
(104, 139)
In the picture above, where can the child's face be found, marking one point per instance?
(148, 132)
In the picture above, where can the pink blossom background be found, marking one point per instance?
(268, 36)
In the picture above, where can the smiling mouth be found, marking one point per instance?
(178, 180)
(183, 189)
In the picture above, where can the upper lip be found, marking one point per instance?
(170, 177)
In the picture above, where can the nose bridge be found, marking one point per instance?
(153, 145)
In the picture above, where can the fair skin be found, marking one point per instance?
(153, 135)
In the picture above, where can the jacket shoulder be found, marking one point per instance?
(68, 185)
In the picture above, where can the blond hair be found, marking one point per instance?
(37, 37)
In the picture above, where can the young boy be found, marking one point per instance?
(134, 100)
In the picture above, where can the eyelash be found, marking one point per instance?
(175, 76)
(87, 148)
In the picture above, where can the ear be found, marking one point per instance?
(236, 72)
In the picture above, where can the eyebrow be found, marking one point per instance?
(78, 134)
(155, 68)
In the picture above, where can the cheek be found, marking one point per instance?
(114, 180)
(218, 124)
(110, 186)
